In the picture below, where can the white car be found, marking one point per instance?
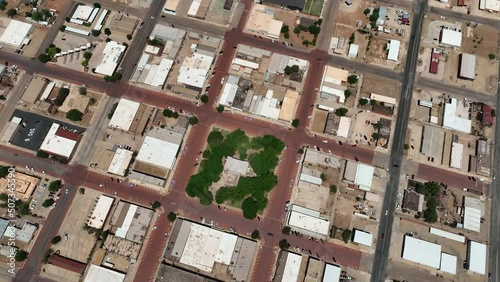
(325, 141)
(386, 212)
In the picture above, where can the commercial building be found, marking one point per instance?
(331, 84)
(447, 235)
(489, 5)
(25, 185)
(331, 273)
(113, 53)
(158, 152)
(229, 91)
(353, 51)
(266, 106)
(34, 89)
(313, 270)
(450, 37)
(82, 12)
(289, 105)
(291, 268)
(170, 7)
(60, 142)
(26, 233)
(121, 161)
(310, 176)
(448, 263)
(344, 127)
(431, 141)
(201, 247)
(467, 66)
(476, 257)
(422, 252)
(457, 155)
(100, 212)
(480, 163)
(194, 69)
(393, 50)
(101, 274)
(124, 114)
(67, 264)
(308, 221)
(130, 221)
(16, 34)
(262, 21)
(364, 176)
(456, 116)
(363, 238)
(473, 211)
(434, 65)
(125, 248)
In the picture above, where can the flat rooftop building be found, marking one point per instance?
(124, 114)
(60, 142)
(467, 66)
(394, 46)
(456, 117)
(101, 274)
(308, 221)
(16, 34)
(476, 257)
(422, 252)
(113, 53)
(100, 212)
(450, 37)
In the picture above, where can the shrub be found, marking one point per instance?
(155, 205)
(352, 38)
(129, 36)
(44, 58)
(62, 28)
(406, 147)
(74, 115)
(297, 30)
(193, 120)
(255, 234)
(107, 31)
(347, 93)
(56, 240)
(204, 99)
(352, 79)
(333, 188)
(286, 230)
(171, 216)
(61, 97)
(491, 56)
(96, 32)
(366, 11)
(42, 154)
(55, 185)
(341, 112)
(346, 235)
(97, 5)
(376, 136)
(220, 108)
(314, 30)
(286, 35)
(11, 13)
(285, 29)
(295, 122)
(283, 244)
(21, 255)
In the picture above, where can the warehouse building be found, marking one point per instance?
(450, 37)
(113, 53)
(467, 68)
(456, 116)
(100, 212)
(476, 257)
(60, 141)
(16, 34)
(393, 54)
(308, 221)
(422, 252)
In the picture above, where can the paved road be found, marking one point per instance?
(328, 25)
(13, 98)
(464, 17)
(51, 35)
(459, 92)
(194, 25)
(452, 179)
(396, 158)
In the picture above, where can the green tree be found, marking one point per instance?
(129, 36)
(74, 115)
(96, 32)
(366, 11)
(297, 30)
(295, 68)
(97, 5)
(318, 22)
(341, 112)
(376, 136)
(286, 35)
(323, 177)
(346, 235)
(288, 70)
(47, 203)
(167, 113)
(193, 120)
(286, 230)
(4, 171)
(285, 29)
(430, 215)
(61, 96)
(82, 90)
(333, 188)
(220, 108)
(107, 31)
(155, 205)
(11, 13)
(314, 30)
(56, 240)
(23, 208)
(491, 56)
(21, 255)
(295, 122)
(62, 28)
(82, 190)
(283, 244)
(44, 58)
(112, 110)
(250, 208)
(352, 79)
(37, 16)
(55, 185)
(406, 146)
(378, 125)
(171, 216)
(255, 234)
(352, 38)
(4, 197)
(87, 55)
(347, 93)
(204, 99)
(107, 78)
(42, 154)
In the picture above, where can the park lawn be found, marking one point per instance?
(314, 7)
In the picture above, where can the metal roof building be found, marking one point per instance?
(160, 147)
(476, 257)
(364, 177)
(331, 273)
(489, 5)
(344, 127)
(100, 212)
(447, 235)
(120, 162)
(26, 233)
(229, 91)
(101, 274)
(430, 140)
(124, 114)
(237, 166)
(448, 263)
(60, 142)
(289, 105)
(450, 37)
(455, 118)
(473, 211)
(308, 221)
(457, 155)
(353, 51)
(363, 237)
(16, 33)
(393, 50)
(422, 252)
(292, 267)
(467, 66)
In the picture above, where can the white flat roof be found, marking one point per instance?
(226, 247)
(194, 70)
(245, 63)
(229, 91)
(353, 50)
(158, 152)
(452, 121)
(120, 161)
(112, 55)
(171, 5)
(292, 267)
(335, 75)
(82, 12)
(193, 9)
(393, 50)
(477, 257)
(363, 237)
(127, 221)
(310, 179)
(468, 66)
(57, 145)
(15, 33)
(490, 5)
(307, 222)
(472, 219)
(451, 37)
(457, 154)
(364, 176)
(344, 126)
(161, 72)
(101, 274)
(448, 263)
(235, 165)
(422, 252)
(446, 234)
(382, 98)
(274, 30)
(124, 114)
(332, 273)
(100, 212)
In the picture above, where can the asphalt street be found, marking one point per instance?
(13, 98)
(389, 205)
(194, 25)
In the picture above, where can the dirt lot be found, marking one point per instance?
(217, 14)
(79, 243)
(54, 4)
(291, 19)
(379, 85)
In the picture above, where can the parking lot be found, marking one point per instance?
(33, 129)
